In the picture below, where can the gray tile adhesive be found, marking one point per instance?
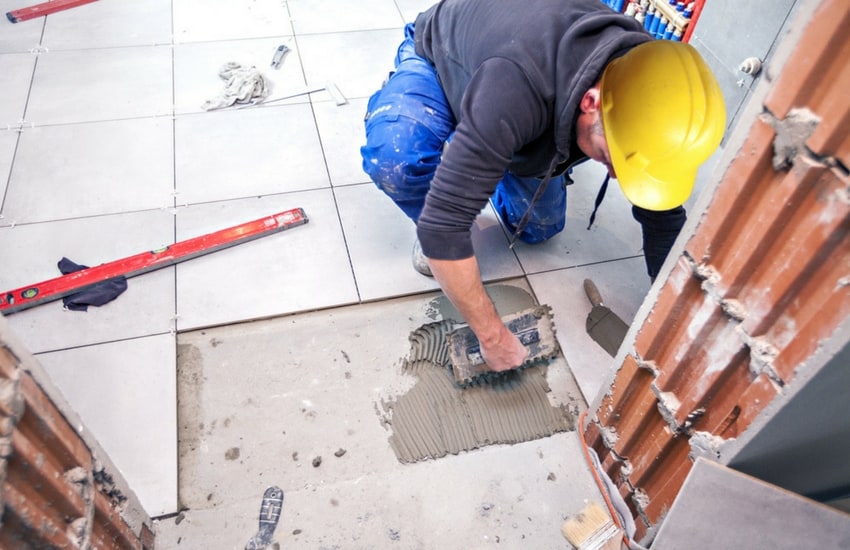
(436, 417)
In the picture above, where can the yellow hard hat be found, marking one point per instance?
(663, 115)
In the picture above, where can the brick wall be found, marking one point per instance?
(57, 488)
(761, 284)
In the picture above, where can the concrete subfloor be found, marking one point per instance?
(260, 402)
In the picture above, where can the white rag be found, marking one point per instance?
(242, 85)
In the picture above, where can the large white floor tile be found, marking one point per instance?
(342, 133)
(126, 394)
(76, 170)
(30, 254)
(109, 24)
(614, 235)
(303, 268)
(247, 153)
(380, 238)
(623, 285)
(197, 67)
(326, 16)
(358, 62)
(22, 36)
(205, 20)
(16, 69)
(411, 8)
(101, 84)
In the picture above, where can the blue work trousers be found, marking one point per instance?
(408, 121)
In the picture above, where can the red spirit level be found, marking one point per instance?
(54, 289)
(45, 8)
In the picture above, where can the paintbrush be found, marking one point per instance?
(592, 529)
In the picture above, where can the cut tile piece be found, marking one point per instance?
(342, 133)
(77, 170)
(31, 252)
(109, 25)
(197, 67)
(330, 16)
(755, 514)
(17, 69)
(126, 394)
(303, 268)
(358, 62)
(614, 235)
(247, 153)
(95, 84)
(563, 289)
(209, 20)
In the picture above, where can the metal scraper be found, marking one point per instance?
(603, 325)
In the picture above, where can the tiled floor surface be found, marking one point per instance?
(105, 152)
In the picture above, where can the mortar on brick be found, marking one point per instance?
(641, 502)
(706, 445)
(762, 355)
(792, 132)
(650, 366)
(609, 436)
(668, 406)
(734, 309)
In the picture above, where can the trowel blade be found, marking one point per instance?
(606, 329)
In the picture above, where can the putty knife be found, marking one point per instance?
(603, 325)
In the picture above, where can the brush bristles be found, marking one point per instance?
(589, 529)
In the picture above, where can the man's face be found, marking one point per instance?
(591, 140)
(590, 135)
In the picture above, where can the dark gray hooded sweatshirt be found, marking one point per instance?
(514, 72)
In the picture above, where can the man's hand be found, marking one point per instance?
(506, 353)
(461, 281)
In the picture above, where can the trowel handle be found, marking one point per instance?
(592, 293)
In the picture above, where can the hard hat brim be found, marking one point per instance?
(656, 188)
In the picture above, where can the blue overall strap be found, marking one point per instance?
(520, 227)
(599, 198)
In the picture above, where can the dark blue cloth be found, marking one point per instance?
(94, 295)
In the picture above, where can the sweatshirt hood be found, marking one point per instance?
(583, 53)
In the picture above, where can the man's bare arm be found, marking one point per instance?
(461, 281)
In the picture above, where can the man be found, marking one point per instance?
(521, 90)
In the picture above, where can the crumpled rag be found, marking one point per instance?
(242, 85)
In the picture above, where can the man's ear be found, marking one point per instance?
(590, 101)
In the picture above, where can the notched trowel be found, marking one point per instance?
(532, 326)
(603, 325)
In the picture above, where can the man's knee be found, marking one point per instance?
(400, 156)
(548, 217)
